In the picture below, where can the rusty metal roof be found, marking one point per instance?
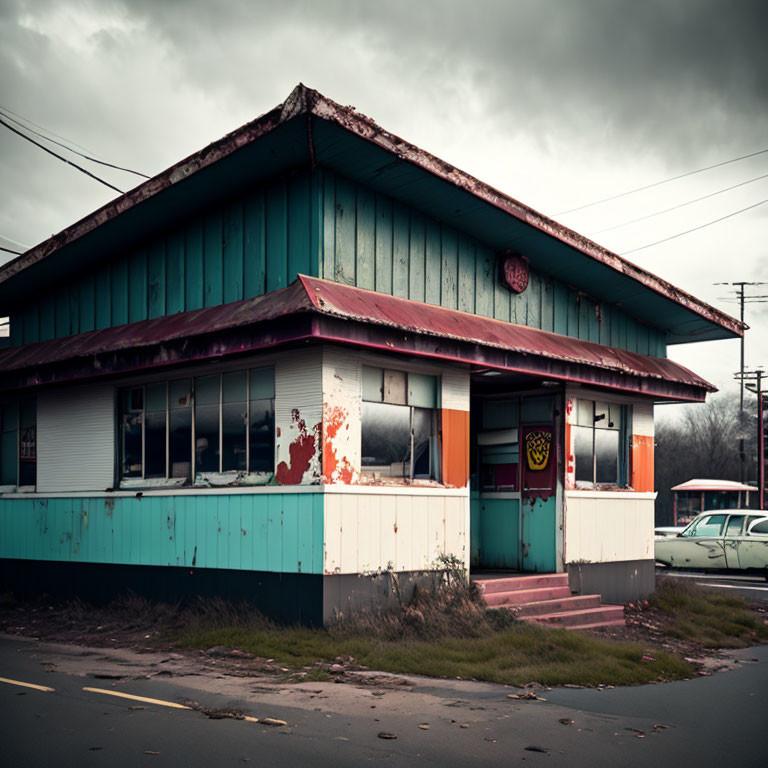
(526, 350)
(309, 129)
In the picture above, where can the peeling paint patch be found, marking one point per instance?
(302, 452)
(335, 469)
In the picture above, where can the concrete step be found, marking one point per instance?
(515, 583)
(575, 602)
(598, 625)
(580, 618)
(523, 596)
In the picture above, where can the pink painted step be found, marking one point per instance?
(599, 616)
(523, 596)
(573, 603)
(514, 583)
(546, 599)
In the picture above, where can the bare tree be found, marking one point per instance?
(704, 443)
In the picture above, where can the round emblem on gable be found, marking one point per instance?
(514, 272)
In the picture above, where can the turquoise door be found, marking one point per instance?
(538, 499)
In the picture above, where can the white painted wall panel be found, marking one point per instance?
(298, 399)
(602, 528)
(76, 439)
(365, 532)
(455, 389)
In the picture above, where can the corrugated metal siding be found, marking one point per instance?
(455, 390)
(608, 529)
(243, 249)
(374, 242)
(299, 400)
(368, 532)
(76, 439)
(642, 419)
(280, 532)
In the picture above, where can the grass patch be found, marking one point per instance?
(705, 616)
(442, 632)
(520, 654)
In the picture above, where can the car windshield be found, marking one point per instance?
(709, 525)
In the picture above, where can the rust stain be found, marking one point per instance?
(335, 469)
(301, 452)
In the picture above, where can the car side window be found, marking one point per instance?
(760, 528)
(735, 523)
(710, 526)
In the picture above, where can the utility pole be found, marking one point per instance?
(742, 298)
(753, 381)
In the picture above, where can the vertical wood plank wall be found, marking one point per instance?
(319, 224)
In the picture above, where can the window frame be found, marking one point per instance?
(624, 453)
(389, 389)
(195, 477)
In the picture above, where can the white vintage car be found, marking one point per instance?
(731, 539)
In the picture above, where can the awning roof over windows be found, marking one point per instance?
(321, 310)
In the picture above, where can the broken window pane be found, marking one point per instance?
(28, 442)
(606, 456)
(180, 441)
(261, 433)
(583, 456)
(422, 435)
(386, 438)
(154, 430)
(206, 438)
(131, 432)
(234, 422)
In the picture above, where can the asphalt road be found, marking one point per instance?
(710, 721)
(752, 588)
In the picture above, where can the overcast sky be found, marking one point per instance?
(556, 102)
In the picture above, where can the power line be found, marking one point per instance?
(74, 151)
(675, 207)
(664, 181)
(694, 229)
(8, 250)
(63, 159)
(42, 128)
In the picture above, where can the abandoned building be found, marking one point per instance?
(312, 354)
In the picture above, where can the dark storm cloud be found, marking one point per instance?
(685, 74)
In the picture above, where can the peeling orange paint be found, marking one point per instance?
(335, 469)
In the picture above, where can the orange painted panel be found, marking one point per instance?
(642, 463)
(455, 447)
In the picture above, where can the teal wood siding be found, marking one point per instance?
(278, 532)
(244, 248)
(324, 225)
(374, 242)
(494, 529)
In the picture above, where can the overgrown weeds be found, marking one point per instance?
(707, 617)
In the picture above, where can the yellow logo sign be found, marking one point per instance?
(537, 449)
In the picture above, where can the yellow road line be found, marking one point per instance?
(26, 685)
(160, 702)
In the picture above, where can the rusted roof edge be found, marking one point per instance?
(306, 100)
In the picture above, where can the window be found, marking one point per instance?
(735, 523)
(759, 529)
(399, 429)
(221, 423)
(18, 443)
(599, 438)
(710, 526)
(498, 445)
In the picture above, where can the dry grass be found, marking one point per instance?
(706, 616)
